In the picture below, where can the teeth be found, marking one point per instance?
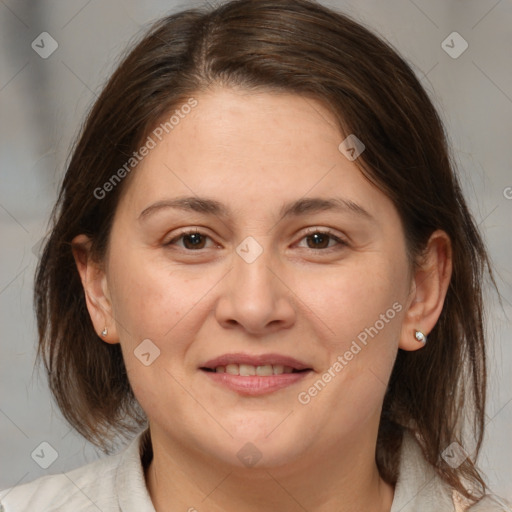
(246, 370)
(278, 369)
(264, 370)
(233, 369)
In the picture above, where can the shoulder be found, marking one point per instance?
(488, 503)
(79, 489)
(419, 487)
(95, 486)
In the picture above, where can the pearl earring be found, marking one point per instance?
(104, 332)
(420, 337)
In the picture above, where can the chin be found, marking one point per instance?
(263, 446)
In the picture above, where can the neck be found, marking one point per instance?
(345, 480)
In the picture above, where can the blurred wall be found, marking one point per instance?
(43, 102)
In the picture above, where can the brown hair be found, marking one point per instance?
(293, 46)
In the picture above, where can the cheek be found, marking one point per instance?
(365, 293)
(167, 304)
(142, 304)
(359, 358)
(362, 304)
(156, 302)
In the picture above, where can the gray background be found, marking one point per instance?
(42, 104)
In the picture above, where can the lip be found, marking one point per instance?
(254, 385)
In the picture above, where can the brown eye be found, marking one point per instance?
(317, 239)
(192, 240)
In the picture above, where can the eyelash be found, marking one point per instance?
(311, 231)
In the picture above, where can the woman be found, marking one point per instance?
(262, 264)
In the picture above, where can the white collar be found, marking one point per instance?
(130, 485)
(419, 487)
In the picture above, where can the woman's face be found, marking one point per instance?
(261, 288)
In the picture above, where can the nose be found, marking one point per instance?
(255, 296)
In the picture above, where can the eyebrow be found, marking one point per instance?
(294, 209)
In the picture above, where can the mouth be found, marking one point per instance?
(255, 375)
(247, 370)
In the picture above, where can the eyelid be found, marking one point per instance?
(185, 232)
(341, 242)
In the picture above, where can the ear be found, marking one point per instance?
(95, 285)
(428, 290)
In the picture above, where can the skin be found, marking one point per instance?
(255, 152)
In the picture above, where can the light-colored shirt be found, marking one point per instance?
(116, 483)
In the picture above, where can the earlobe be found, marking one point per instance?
(96, 291)
(428, 290)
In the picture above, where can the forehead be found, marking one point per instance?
(239, 147)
